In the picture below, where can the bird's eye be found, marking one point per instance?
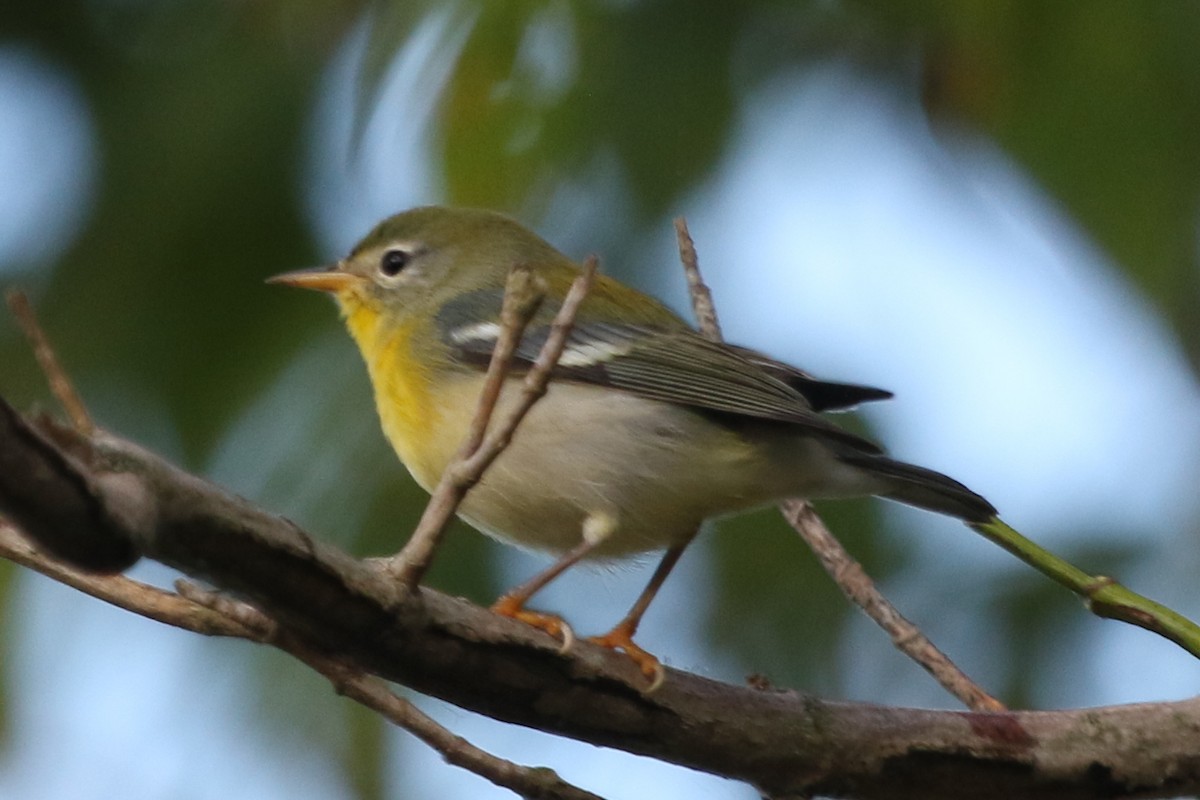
(393, 261)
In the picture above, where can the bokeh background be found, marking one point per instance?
(988, 208)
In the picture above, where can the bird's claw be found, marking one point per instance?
(550, 623)
(621, 638)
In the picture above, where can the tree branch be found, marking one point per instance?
(210, 614)
(350, 681)
(858, 587)
(784, 743)
(1104, 596)
(60, 385)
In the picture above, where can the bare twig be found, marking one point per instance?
(126, 593)
(349, 680)
(847, 573)
(523, 296)
(858, 587)
(702, 302)
(256, 624)
(60, 384)
(479, 451)
(529, 782)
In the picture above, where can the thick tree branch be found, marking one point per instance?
(205, 612)
(785, 743)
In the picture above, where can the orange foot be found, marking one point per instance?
(556, 626)
(621, 638)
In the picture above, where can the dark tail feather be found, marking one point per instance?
(925, 488)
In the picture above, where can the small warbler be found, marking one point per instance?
(646, 430)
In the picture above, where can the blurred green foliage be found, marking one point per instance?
(1099, 102)
(203, 110)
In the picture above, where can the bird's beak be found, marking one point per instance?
(323, 279)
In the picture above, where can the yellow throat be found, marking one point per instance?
(408, 412)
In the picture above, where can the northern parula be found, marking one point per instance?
(647, 428)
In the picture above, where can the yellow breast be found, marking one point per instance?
(404, 392)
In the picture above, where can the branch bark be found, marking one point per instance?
(125, 499)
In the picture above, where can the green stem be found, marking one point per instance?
(1103, 596)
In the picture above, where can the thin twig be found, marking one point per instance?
(368, 690)
(205, 612)
(528, 782)
(1104, 596)
(858, 587)
(847, 573)
(257, 625)
(522, 297)
(702, 302)
(60, 384)
(118, 590)
(465, 470)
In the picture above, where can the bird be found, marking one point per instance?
(647, 428)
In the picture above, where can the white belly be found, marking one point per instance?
(656, 471)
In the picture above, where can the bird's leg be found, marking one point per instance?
(621, 636)
(512, 602)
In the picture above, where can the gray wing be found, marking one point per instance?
(821, 395)
(677, 366)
